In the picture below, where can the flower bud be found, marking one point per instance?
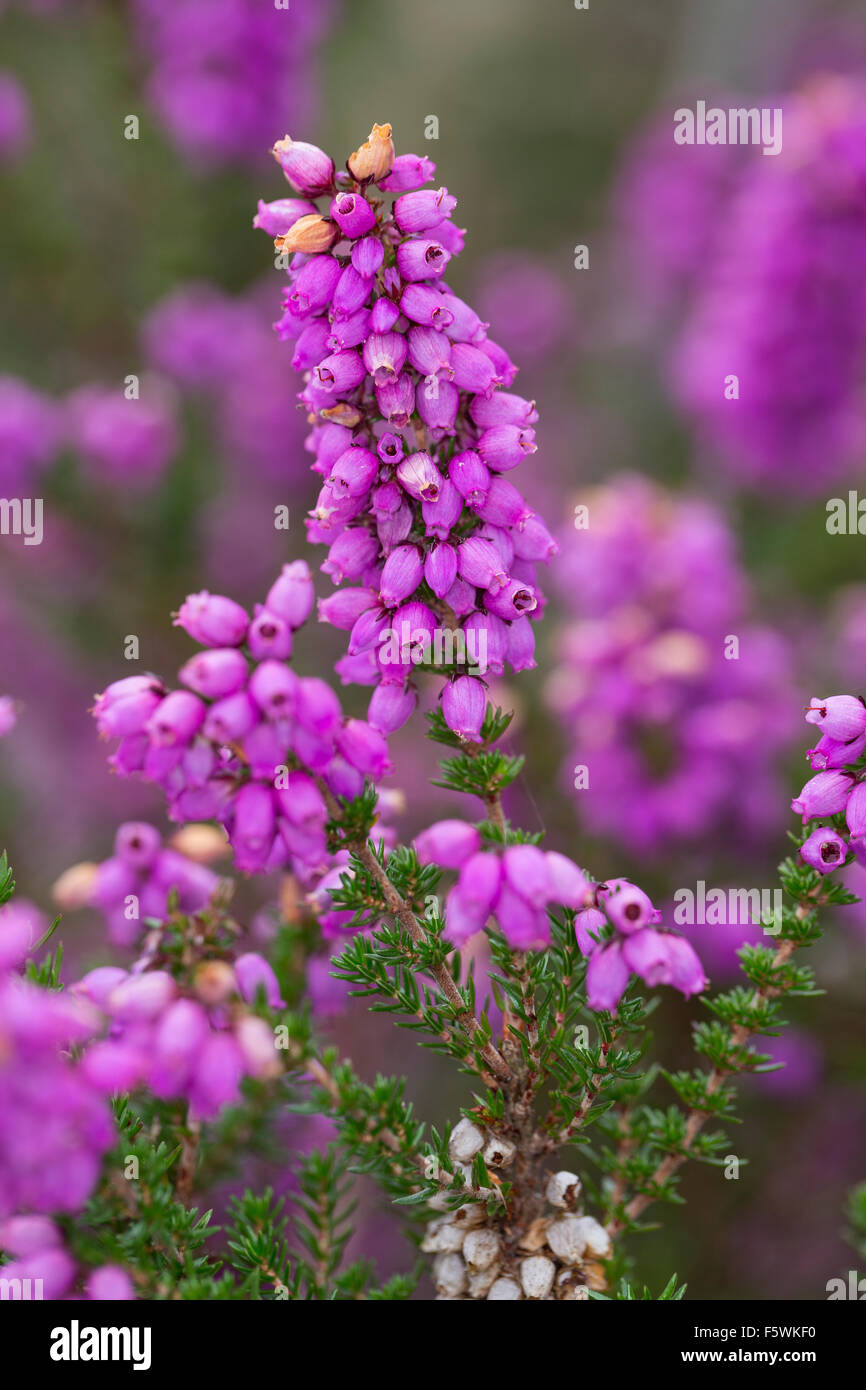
(480, 1249)
(465, 1142)
(74, 886)
(374, 160)
(464, 702)
(278, 217)
(309, 235)
(824, 850)
(563, 1189)
(504, 1290)
(353, 214)
(823, 795)
(214, 673)
(213, 620)
(449, 1275)
(842, 717)
(307, 168)
(536, 1276)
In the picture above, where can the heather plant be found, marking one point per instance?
(162, 1077)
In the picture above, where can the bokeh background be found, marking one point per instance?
(707, 518)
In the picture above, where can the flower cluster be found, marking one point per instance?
(520, 884)
(198, 1042)
(219, 71)
(122, 441)
(55, 1126)
(471, 1260)
(665, 686)
(221, 747)
(411, 433)
(766, 255)
(38, 1255)
(140, 877)
(837, 788)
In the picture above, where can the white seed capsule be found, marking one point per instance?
(481, 1283)
(563, 1189)
(449, 1273)
(504, 1289)
(465, 1142)
(595, 1237)
(442, 1236)
(566, 1239)
(470, 1214)
(498, 1153)
(536, 1276)
(480, 1249)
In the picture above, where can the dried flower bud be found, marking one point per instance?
(214, 982)
(536, 1276)
(375, 158)
(481, 1249)
(498, 1152)
(466, 1141)
(563, 1189)
(504, 1289)
(74, 886)
(481, 1283)
(202, 843)
(310, 235)
(566, 1239)
(595, 1237)
(449, 1274)
(442, 1237)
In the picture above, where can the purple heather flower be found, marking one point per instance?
(307, 168)
(627, 906)
(652, 705)
(855, 811)
(448, 843)
(254, 973)
(606, 977)
(15, 130)
(8, 715)
(109, 1284)
(824, 850)
(213, 620)
(464, 702)
(823, 795)
(54, 1128)
(840, 717)
(123, 441)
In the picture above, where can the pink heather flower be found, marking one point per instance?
(588, 927)
(855, 811)
(626, 906)
(840, 717)
(109, 1283)
(824, 850)
(646, 954)
(606, 978)
(686, 972)
(645, 692)
(21, 925)
(395, 368)
(8, 715)
(254, 973)
(124, 442)
(213, 620)
(463, 705)
(15, 131)
(54, 1127)
(823, 795)
(30, 435)
(448, 843)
